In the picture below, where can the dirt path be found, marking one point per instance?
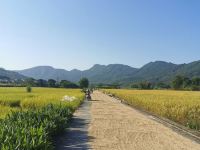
(115, 126)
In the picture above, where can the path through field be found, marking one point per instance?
(76, 136)
(116, 126)
(106, 124)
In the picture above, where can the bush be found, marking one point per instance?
(145, 85)
(84, 83)
(195, 88)
(177, 83)
(68, 84)
(28, 89)
(33, 129)
(135, 86)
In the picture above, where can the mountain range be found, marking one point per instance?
(6, 74)
(97, 74)
(158, 71)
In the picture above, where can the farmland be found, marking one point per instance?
(31, 120)
(18, 98)
(182, 107)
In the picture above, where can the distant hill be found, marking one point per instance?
(6, 74)
(46, 72)
(96, 74)
(158, 71)
(112, 73)
(191, 69)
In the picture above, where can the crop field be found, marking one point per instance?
(31, 120)
(17, 98)
(182, 107)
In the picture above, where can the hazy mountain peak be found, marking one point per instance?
(10, 74)
(97, 65)
(2, 68)
(75, 70)
(44, 67)
(159, 64)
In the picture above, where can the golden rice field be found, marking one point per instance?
(180, 106)
(13, 99)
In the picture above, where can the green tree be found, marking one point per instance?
(28, 89)
(30, 82)
(196, 81)
(41, 83)
(162, 85)
(67, 84)
(145, 85)
(186, 82)
(134, 85)
(177, 83)
(195, 88)
(195, 84)
(84, 83)
(52, 83)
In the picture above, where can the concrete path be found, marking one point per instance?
(76, 137)
(116, 126)
(106, 124)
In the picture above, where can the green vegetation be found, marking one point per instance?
(145, 85)
(180, 106)
(181, 82)
(178, 83)
(30, 120)
(5, 110)
(51, 83)
(33, 129)
(84, 83)
(28, 89)
(68, 84)
(107, 86)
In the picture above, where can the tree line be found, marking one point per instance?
(31, 82)
(178, 83)
(83, 83)
(49, 83)
(182, 82)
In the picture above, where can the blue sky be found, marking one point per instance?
(79, 33)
